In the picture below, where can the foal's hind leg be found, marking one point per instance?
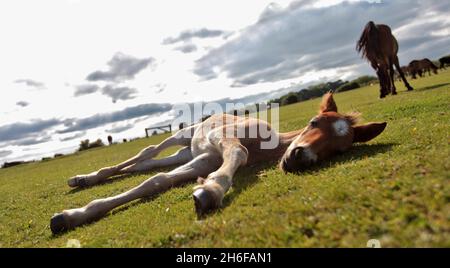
(182, 156)
(397, 66)
(151, 151)
(201, 166)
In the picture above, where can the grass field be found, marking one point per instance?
(395, 188)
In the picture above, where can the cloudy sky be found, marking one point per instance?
(77, 69)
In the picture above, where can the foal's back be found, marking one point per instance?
(248, 131)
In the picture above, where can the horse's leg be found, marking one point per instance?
(382, 82)
(182, 156)
(385, 80)
(392, 76)
(200, 166)
(387, 77)
(209, 195)
(379, 72)
(397, 66)
(147, 153)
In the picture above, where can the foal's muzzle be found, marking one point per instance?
(295, 160)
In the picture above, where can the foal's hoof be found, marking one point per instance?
(204, 201)
(77, 182)
(410, 89)
(58, 224)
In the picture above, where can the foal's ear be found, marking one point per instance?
(328, 104)
(367, 132)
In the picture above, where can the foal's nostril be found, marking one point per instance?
(296, 152)
(289, 163)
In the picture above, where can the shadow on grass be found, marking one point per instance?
(249, 176)
(433, 87)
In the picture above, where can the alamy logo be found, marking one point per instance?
(199, 111)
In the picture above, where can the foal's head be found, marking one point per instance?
(327, 133)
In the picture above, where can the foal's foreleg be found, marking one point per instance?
(147, 153)
(210, 194)
(161, 182)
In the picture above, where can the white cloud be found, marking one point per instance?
(55, 45)
(31, 83)
(286, 43)
(120, 68)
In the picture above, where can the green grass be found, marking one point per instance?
(394, 188)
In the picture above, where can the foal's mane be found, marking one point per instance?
(353, 117)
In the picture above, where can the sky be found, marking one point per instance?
(86, 69)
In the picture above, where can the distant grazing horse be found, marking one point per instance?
(380, 48)
(443, 61)
(421, 66)
(212, 153)
(405, 70)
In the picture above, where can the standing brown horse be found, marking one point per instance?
(380, 48)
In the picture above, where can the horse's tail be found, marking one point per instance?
(368, 43)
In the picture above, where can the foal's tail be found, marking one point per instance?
(368, 43)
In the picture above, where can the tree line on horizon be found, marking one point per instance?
(318, 90)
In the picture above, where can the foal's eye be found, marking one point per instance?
(313, 123)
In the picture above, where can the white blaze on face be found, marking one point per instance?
(340, 127)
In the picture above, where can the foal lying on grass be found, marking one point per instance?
(212, 153)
